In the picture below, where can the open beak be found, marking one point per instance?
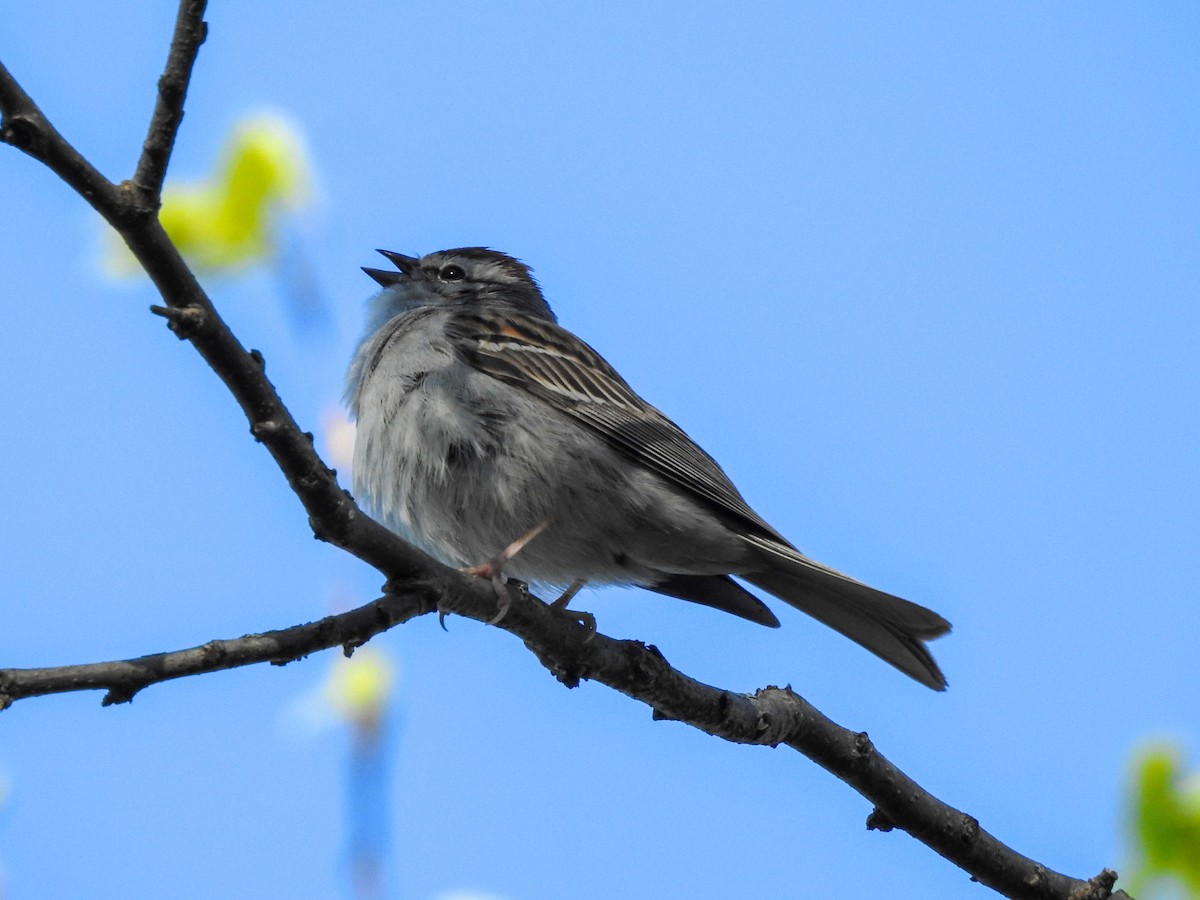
(406, 264)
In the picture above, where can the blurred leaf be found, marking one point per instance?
(1166, 821)
(359, 688)
(338, 432)
(228, 221)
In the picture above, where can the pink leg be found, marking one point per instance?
(586, 619)
(494, 568)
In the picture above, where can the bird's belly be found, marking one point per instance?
(464, 484)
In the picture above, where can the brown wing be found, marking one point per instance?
(558, 368)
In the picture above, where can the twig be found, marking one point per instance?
(123, 679)
(418, 583)
(190, 31)
(24, 126)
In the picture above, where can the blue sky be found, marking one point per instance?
(922, 277)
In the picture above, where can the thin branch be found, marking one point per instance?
(419, 584)
(24, 126)
(190, 31)
(123, 679)
(771, 716)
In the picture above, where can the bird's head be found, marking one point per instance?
(463, 277)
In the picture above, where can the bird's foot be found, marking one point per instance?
(493, 570)
(586, 619)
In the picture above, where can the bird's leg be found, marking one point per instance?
(494, 568)
(569, 594)
(586, 619)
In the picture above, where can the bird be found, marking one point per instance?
(496, 440)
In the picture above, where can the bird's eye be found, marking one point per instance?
(452, 273)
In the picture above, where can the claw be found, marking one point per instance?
(493, 569)
(504, 604)
(586, 619)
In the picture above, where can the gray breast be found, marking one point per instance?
(462, 465)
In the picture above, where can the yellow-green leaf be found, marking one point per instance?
(1166, 820)
(228, 221)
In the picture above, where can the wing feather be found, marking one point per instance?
(555, 366)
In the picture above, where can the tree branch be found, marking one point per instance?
(417, 584)
(122, 679)
(771, 716)
(24, 126)
(190, 31)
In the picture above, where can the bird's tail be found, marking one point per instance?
(893, 629)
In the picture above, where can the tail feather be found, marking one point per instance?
(720, 592)
(892, 628)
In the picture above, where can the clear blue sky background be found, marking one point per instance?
(923, 277)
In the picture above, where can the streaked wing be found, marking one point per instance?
(557, 367)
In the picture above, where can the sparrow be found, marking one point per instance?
(488, 432)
